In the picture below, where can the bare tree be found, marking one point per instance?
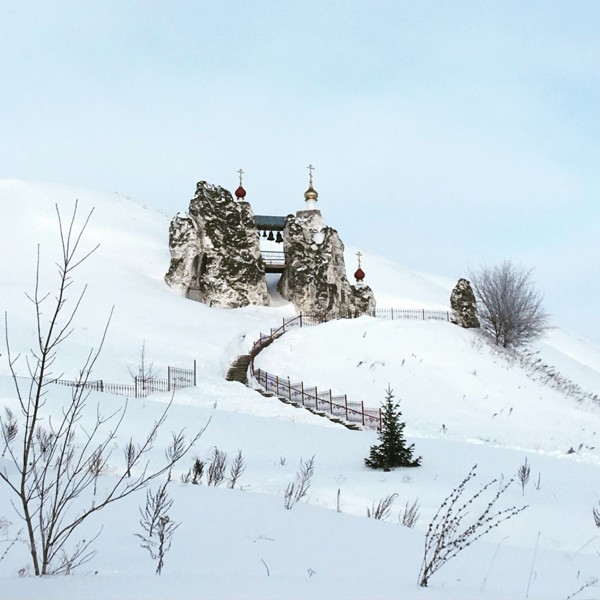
(146, 374)
(53, 459)
(509, 306)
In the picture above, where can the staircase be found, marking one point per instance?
(238, 370)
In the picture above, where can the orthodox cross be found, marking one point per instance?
(310, 170)
(359, 256)
(241, 173)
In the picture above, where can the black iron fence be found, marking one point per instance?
(177, 378)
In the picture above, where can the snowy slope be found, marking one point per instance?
(463, 402)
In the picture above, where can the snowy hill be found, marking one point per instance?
(464, 403)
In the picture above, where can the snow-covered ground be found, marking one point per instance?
(463, 402)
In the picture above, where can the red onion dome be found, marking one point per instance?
(240, 193)
(359, 275)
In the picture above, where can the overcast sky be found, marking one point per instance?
(445, 135)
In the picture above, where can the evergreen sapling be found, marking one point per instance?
(392, 450)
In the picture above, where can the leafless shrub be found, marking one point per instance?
(509, 307)
(382, 511)
(450, 532)
(590, 583)
(4, 525)
(523, 474)
(238, 466)
(216, 468)
(295, 491)
(175, 450)
(596, 512)
(157, 525)
(197, 471)
(44, 439)
(96, 465)
(410, 515)
(10, 428)
(49, 475)
(129, 452)
(194, 474)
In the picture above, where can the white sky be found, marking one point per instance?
(444, 134)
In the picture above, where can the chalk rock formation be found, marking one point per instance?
(364, 300)
(464, 305)
(314, 279)
(215, 253)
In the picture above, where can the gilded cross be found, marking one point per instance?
(359, 256)
(310, 170)
(241, 173)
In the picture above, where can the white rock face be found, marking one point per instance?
(215, 252)
(315, 276)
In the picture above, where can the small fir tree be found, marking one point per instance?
(392, 450)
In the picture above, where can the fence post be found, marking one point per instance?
(346, 403)
(277, 385)
(135, 386)
(302, 392)
(168, 378)
(392, 313)
(101, 385)
(316, 398)
(300, 319)
(423, 314)
(283, 326)
(362, 405)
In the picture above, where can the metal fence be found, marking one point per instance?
(309, 397)
(141, 387)
(319, 401)
(325, 401)
(416, 314)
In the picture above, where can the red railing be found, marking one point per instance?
(319, 401)
(310, 397)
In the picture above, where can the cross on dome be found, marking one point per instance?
(311, 194)
(240, 193)
(310, 170)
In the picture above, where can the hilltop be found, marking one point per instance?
(464, 402)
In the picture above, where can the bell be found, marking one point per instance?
(264, 234)
(279, 238)
(271, 236)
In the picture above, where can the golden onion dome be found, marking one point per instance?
(311, 193)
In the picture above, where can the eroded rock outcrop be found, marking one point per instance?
(464, 305)
(314, 279)
(215, 253)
